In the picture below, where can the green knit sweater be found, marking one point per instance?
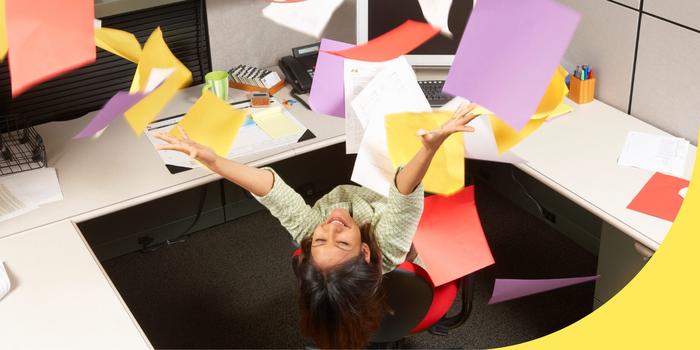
(393, 219)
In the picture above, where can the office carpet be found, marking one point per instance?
(231, 286)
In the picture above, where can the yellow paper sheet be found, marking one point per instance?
(3, 31)
(274, 123)
(507, 137)
(561, 109)
(212, 122)
(118, 42)
(155, 54)
(554, 95)
(446, 172)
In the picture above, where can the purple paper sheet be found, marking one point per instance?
(327, 92)
(508, 53)
(116, 106)
(508, 289)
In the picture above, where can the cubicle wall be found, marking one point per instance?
(646, 53)
(239, 34)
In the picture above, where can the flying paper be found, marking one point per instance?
(212, 123)
(437, 12)
(529, 37)
(449, 239)
(118, 42)
(47, 38)
(392, 44)
(393, 90)
(274, 123)
(3, 31)
(327, 96)
(155, 54)
(554, 95)
(115, 107)
(660, 197)
(509, 289)
(481, 144)
(446, 172)
(309, 17)
(507, 137)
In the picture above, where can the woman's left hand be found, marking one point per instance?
(458, 123)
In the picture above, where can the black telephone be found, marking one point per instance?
(298, 69)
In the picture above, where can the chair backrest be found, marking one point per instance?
(409, 296)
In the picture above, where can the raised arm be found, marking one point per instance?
(256, 181)
(412, 174)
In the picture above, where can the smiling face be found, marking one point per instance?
(336, 240)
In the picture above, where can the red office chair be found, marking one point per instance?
(417, 304)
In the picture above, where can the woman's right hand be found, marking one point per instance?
(203, 154)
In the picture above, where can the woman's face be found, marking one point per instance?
(336, 240)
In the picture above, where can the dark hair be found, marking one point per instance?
(342, 306)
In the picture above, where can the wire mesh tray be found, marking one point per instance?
(21, 148)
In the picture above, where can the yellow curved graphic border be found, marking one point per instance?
(659, 308)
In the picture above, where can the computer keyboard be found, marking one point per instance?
(432, 89)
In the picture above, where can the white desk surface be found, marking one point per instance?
(576, 155)
(119, 170)
(60, 297)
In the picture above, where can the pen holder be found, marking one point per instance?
(582, 91)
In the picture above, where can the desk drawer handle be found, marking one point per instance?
(642, 250)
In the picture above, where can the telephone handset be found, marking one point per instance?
(299, 68)
(296, 74)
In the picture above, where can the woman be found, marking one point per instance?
(349, 238)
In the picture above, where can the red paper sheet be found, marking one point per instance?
(450, 240)
(394, 43)
(659, 197)
(47, 38)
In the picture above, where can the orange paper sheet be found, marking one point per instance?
(394, 43)
(47, 38)
(659, 197)
(155, 54)
(449, 239)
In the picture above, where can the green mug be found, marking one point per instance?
(217, 82)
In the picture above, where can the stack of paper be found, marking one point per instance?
(26, 191)
(275, 123)
(665, 154)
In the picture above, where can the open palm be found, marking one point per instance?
(185, 145)
(458, 123)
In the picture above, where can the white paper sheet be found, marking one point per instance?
(27, 190)
(437, 13)
(683, 192)
(356, 76)
(156, 77)
(4, 281)
(665, 154)
(249, 140)
(393, 90)
(481, 144)
(309, 17)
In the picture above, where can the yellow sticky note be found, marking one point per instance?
(212, 123)
(274, 123)
(118, 42)
(446, 172)
(155, 54)
(3, 31)
(554, 95)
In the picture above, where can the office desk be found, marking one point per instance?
(574, 154)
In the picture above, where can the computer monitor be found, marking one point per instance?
(376, 17)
